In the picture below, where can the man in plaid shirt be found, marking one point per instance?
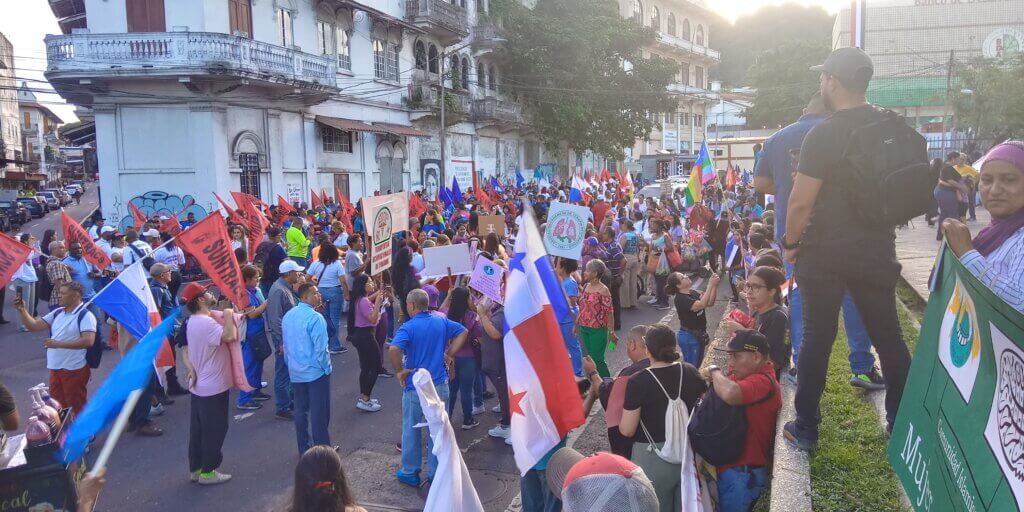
(56, 271)
(611, 254)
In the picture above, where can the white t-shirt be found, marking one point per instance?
(331, 274)
(171, 256)
(65, 327)
(130, 254)
(341, 241)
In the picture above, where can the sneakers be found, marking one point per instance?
(384, 374)
(410, 480)
(249, 406)
(496, 408)
(797, 439)
(149, 430)
(156, 410)
(478, 409)
(508, 440)
(662, 307)
(341, 350)
(261, 396)
(471, 425)
(652, 300)
(193, 476)
(500, 431)
(371, 405)
(213, 478)
(870, 381)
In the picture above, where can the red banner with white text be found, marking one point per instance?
(207, 241)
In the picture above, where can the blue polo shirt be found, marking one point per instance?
(424, 339)
(80, 274)
(304, 332)
(776, 162)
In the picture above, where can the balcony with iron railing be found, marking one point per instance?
(424, 100)
(487, 37)
(679, 44)
(442, 19)
(689, 90)
(494, 110)
(185, 53)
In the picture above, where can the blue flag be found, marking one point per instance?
(456, 191)
(496, 186)
(444, 195)
(132, 373)
(520, 180)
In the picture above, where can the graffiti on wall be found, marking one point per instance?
(162, 203)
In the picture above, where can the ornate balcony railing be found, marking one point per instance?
(679, 43)
(423, 96)
(497, 110)
(185, 52)
(438, 13)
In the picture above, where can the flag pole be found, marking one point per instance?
(116, 431)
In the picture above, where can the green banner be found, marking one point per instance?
(958, 441)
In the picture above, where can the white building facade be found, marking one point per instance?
(10, 123)
(40, 142)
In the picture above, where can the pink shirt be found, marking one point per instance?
(210, 358)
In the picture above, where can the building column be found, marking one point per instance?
(309, 143)
(274, 160)
(107, 144)
(210, 153)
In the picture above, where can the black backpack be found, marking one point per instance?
(94, 353)
(889, 178)
(718, 431)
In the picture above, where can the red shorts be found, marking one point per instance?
(69, 387)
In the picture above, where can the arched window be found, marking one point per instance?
(684, 31)
(671, 24)
(493, 79)
(465, 73)
(420, 54)
(481, 75)
(432, 59)
(638, 12)
(454, 70)
(699, 36)
(655, 18)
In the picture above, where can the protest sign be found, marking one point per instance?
(487, 278)
(384, 216)
(957, 443)
(74, 232)
(567, 226)
(437, 260)
(487, 224)
(12, 256)
(208, 242)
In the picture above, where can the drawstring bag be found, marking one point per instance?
(677, 418)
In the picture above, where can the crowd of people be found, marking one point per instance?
(312, 296)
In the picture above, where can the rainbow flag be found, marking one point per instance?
(706, 166)
(693, 187)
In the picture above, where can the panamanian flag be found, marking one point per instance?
(543, 398)
(129, 300)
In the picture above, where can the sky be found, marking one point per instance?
(26, 22)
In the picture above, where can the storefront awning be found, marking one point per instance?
(400, 130)
(348, 125)
(21, 176)
(79, 134)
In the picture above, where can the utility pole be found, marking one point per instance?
(441, 95)
(945, 108)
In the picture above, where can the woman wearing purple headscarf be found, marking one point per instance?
(996, 255)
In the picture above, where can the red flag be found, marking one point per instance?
(74, 232)
(481, 197)
(416, 206)
(171, 226)
(324, 196)
(605, 175)
(257, 225)
(243, 201)
(284, 205)
(137, 216)
(315, 201)
(207, 241)
(13, 255)
(338, 197)
(232, 214)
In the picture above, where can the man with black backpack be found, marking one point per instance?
(862, 171)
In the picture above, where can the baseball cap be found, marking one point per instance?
(151, 233)
(746, 341)
(849, 65)
(289, 266)
(192, 290)
(602, 482)
(432, 295)
(106, 229)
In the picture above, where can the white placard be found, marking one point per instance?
(437, 260)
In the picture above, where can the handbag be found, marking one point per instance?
(675, 260)
(260, 346)
(652, 262)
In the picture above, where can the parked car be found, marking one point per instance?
(51, 198)
(62, 198)
(32, 206)
(42, 202)
(16, 213)
(72, 190)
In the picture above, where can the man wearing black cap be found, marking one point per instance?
(750, 383)
(835, 250)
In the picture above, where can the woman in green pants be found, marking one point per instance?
(595, 326)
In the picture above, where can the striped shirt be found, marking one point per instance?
(1002, 270)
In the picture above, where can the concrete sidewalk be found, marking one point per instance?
(916, 247)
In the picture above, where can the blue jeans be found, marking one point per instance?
(412, 438)
(692, 350)
(739, 488)
(573, 346)
(464, 383)
(861, 358)
(303, 262)
(312, 412)
(282, 381)
(536, 496)
(253, 374)
(334, 298)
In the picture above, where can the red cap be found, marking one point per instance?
(602, 463)
(192, 291)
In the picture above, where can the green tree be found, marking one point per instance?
(579, 68)
(783, 82)
(989, 97)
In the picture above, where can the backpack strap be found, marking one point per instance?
(663, 390)
(771, 393)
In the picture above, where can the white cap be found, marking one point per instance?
(151, 233)
(289, 266)
(163, 217)
(107, 229)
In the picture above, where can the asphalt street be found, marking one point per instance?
(260, 451)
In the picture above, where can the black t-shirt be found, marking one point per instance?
(773, 324)
(643, 393)
(834, 221)
(949, 173)
(688, 318)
